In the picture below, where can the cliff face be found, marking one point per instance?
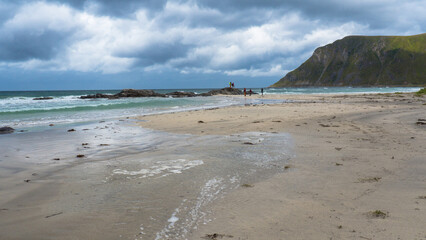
(363, 61)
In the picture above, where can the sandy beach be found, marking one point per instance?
(359, 170)
(331, 167)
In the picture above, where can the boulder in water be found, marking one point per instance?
(43, 98)
(6, 130)
(99, 95)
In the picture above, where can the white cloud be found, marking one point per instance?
(177, 37)
(40, 16)
(274, 71)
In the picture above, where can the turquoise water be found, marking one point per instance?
(19, 110)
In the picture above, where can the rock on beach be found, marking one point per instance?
(6, 130)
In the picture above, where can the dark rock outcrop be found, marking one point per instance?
(223, 91)
(181, 94)
(363, 61)
(43, 98)
(99, 95)
(138, 93)
(126, 93)
(5, 130)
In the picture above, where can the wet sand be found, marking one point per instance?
(359, 170)
(130, 183)
(321, 167)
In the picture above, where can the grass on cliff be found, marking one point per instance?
(413, 43)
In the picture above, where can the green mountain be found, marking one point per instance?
(363, 61)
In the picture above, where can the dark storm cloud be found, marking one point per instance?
(157, 53)
(212, 17)
(122, 8)
(21, 46)
(116, 8)
(7, 10)
(377, 14)
(25, 38)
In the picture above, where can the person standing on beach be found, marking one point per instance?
(245, 92)
(250, 92)
(230, 84)
(261, 90)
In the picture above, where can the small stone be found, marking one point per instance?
(71, 130)
(247, 185)
(80, 155)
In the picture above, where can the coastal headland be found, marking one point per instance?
(363, 61)
(340, 166)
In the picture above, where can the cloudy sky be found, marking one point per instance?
(111, 44)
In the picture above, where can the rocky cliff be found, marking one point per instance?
(363, 61)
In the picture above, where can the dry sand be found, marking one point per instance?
(359, 171)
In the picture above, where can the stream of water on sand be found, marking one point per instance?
(164, 182)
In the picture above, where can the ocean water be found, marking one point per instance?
(19, 110)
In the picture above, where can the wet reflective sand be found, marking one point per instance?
(130, 183)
